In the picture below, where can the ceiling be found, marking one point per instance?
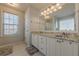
(40, 6)
(23, 6)
(67, 9)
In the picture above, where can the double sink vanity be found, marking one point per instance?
(56, 43)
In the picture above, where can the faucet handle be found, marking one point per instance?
(63, 33)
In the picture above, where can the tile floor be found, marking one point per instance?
(19, 50)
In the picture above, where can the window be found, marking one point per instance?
(66, 24)
(10, 23)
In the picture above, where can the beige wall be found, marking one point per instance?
(37, 23)
(20, 34)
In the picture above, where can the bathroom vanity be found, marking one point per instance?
(50, 45)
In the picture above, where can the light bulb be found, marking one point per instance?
(57, 4)
(52, 7)
(50, 11)
(55, 10)
(59, 7)
(45, 11)
(42, 13)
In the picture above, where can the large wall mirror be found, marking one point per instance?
(63, 19)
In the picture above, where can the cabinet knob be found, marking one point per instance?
(62, 40)
(70, 42)
(58, 41)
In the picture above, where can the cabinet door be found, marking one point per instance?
(39, 42)
(69, 48)
(75, 49)
(51, 46)
(58, 48)
(35, 40)
(42, 44)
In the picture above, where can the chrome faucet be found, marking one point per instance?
(65, 34)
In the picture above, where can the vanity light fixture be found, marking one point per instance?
(50, 9)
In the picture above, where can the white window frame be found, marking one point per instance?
(10, 24)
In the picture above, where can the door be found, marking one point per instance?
(51, 42)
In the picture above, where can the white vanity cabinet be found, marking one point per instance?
(39, 42)
(54, 47)
(57, 47)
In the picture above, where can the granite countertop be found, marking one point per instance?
(70, 36)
